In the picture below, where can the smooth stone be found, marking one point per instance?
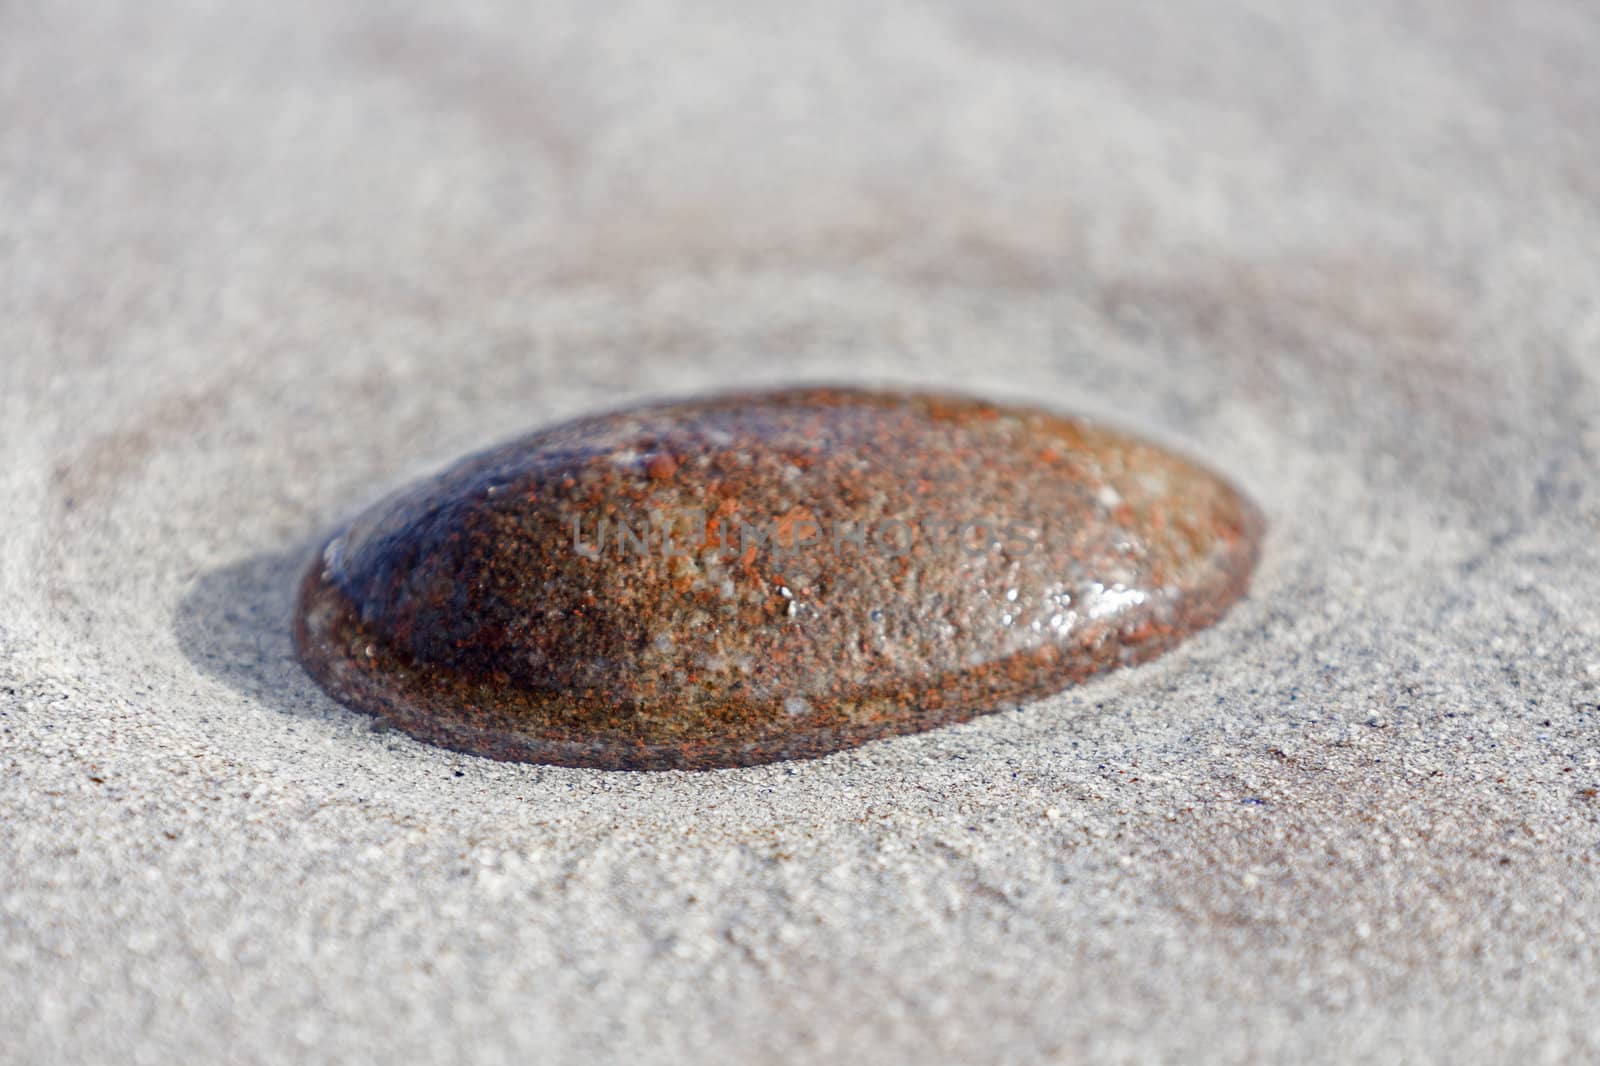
(479, 609)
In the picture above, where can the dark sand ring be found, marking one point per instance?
(926, 558)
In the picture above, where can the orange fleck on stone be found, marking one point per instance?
(661, 466)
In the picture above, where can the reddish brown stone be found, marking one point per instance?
(479, 611)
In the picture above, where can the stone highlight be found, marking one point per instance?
(765, 576)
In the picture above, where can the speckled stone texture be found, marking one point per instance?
(761, 576)
(262, 264)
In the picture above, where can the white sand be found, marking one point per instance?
(260, 262)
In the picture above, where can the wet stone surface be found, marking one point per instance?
(766, 576)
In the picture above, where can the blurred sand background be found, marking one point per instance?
(260, 263)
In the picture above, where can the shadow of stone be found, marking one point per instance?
(233, 625)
